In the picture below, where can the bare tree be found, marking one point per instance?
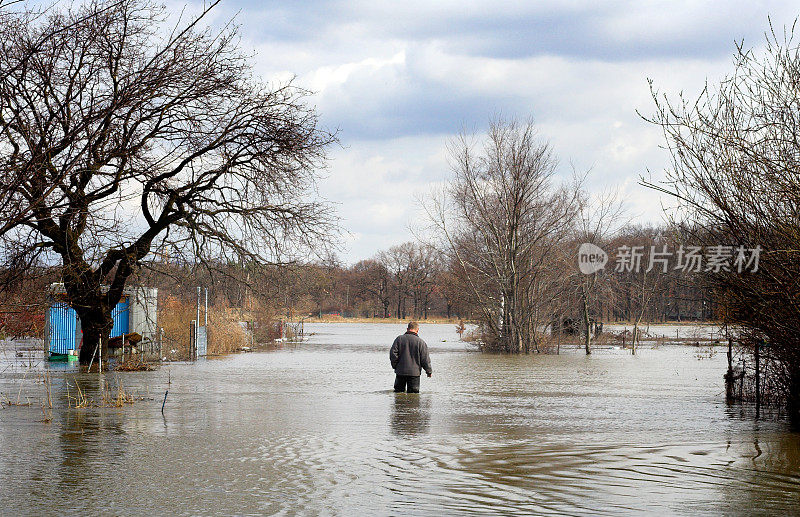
(734, 172)
(429, 266)
(140, 138)
(372, 282)
(12, 209)
(399, 261)
(600, 217)
(421, 267)
(503, 219)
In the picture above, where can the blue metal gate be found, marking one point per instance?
(121, 315)
(61, 324)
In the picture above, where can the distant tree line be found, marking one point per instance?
(407, 281)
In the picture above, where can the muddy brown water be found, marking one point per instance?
(313, 429)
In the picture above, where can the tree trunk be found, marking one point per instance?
(758, 379)
(793, 399)
(399, 300)
(96, 325)
(587, 335)
(729, 374)
(91, 304)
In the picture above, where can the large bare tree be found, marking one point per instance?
(735, 161)
(399, 260)
(504, 220)
(121, 134)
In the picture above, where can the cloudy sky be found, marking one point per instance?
(398, 79)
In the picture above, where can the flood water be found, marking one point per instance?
(314, 429)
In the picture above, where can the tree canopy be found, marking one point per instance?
(121, 135)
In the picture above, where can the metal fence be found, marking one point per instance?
(754, 375)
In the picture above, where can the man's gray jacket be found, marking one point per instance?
(409, 354)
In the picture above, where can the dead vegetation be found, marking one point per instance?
(47, 401)
(225, 333)
(175, 317)
(134, 364)
(109, 396)
(623, 339)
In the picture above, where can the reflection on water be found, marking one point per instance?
(411, 414)
(315, 429)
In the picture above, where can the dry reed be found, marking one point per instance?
(225, 333)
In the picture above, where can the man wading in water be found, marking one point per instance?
(409, 354)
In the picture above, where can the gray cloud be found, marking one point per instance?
(399, 79)
(585, 30)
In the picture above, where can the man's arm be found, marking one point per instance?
(394, 353)
(426, 359)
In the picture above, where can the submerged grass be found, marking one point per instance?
(134, 364)
(110, 396)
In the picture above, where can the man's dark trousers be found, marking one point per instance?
(411, 381)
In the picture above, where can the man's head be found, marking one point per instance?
(413, 326)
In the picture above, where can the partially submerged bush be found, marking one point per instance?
(225, 332)
(175, 317)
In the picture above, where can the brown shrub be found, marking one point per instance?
(225, 333)
(175, 317)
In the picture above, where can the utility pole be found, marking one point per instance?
(196, 326)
